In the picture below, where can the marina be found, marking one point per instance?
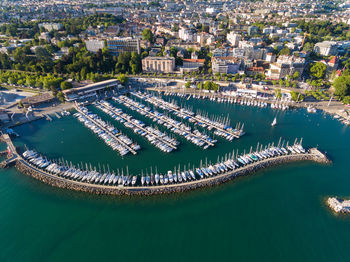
(154, 136)
(222, 127)
(265, 189)
(179, 128)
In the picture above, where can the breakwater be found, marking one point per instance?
(339, 205)
(53, 180)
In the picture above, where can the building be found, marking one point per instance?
(252, 30)
(190, 65)
(332, 64)
(284, 66)
(186, 34)
(94, 45)
(37, 100)
(326, 48)
(254, 53)
(233, 39)
(158, 64)
(270, 57)
(90, 90)
(225, 65)
(44, 36)
(51, 26)
(123, 44)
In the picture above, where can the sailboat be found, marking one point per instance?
(274, 122)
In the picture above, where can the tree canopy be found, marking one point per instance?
(342, 86)
(318, 70)
(147, 35)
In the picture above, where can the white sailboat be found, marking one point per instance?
(274, 122)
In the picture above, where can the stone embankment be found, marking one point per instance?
(28, 169)
(339, 205)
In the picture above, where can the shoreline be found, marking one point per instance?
(56, 181)
(335, 108)
(320, 105)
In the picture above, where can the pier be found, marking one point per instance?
(135, 123)
(133, 105)
(106, 130)
(12, 158)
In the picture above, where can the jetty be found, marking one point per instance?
(60, 174)
(11, 152)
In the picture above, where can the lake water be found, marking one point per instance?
(277, 214)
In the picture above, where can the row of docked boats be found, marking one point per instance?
(177, 176)
(154, 136)
(220, 125)
(107, 132)
(177, 127)
(70, 172)
(241, 100)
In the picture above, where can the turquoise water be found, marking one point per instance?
(277, 214)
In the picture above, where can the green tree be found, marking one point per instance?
(342, 86)
(346, 100)
(285, 51)
(66, 85)
(318, 70)
(188, 84)
(123, 79)
(60, 97)
(147, 35)
(296, 75)
(308, 47)
(278, 93)
(296, 96)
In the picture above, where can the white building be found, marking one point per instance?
(233, 39)
(51, 26)
(94, 45)
(326, 48)
(185, 34)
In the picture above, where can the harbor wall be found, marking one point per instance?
(60, 182)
